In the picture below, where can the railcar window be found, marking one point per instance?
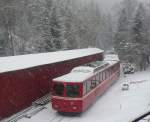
(72, 90)
(103, 75)
(84, 88)
(58, 89)
(97, 79)
(93, 83)
(100, 77)
(88, 86)
(107, 74)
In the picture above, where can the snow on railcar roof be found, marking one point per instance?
(111, 57)
(78, 76)
(83, 69)
(81, 73)
(13, 63)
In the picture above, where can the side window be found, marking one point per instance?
(112, 71)
(84, 88)
(93, 83)
(100, 77)
(97, 79)
(107, 73)
(103, 75)
(88, 86)
(114, 68)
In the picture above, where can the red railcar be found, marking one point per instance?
(25, 78)
(76, 91)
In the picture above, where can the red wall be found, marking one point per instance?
(18, 89)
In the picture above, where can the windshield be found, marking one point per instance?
(58, 89)
(72, 90)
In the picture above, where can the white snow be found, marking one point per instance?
(111, 57)
(12, 63)
(82, 73)
(84, 69)
(114, 106)
(73, 77)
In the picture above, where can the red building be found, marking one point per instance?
(25, 78)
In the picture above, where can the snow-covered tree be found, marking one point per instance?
(123, 36)
(139, 38)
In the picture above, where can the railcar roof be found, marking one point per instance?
(74, 77)
(111, 57)
(13, 63)
(78, 74)
(83, 69)
(81, 73)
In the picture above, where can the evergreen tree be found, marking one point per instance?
(140, 39)
(122, 37)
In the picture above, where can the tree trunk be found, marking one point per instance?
(12, 46)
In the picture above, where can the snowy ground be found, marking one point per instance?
(114, 106)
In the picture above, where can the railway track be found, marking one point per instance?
(145, 117)
(59, 118)
(35, 108)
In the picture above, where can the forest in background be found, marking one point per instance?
(35, 26)
(132, 36)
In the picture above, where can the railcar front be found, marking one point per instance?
(68, 90)
(66, 97)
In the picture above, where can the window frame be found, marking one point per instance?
(80, 92)
(54, 92)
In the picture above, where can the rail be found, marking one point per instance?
(142, 117)
(36, 107)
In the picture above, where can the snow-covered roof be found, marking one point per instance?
(82, 73)
(13, 63)
(74, 77)
(83, 69)
(111, 57)
(78, 74)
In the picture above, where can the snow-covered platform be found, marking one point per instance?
(114, 106)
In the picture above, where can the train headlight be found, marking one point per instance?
(56, 106)
(74, 107)
(71, 103)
